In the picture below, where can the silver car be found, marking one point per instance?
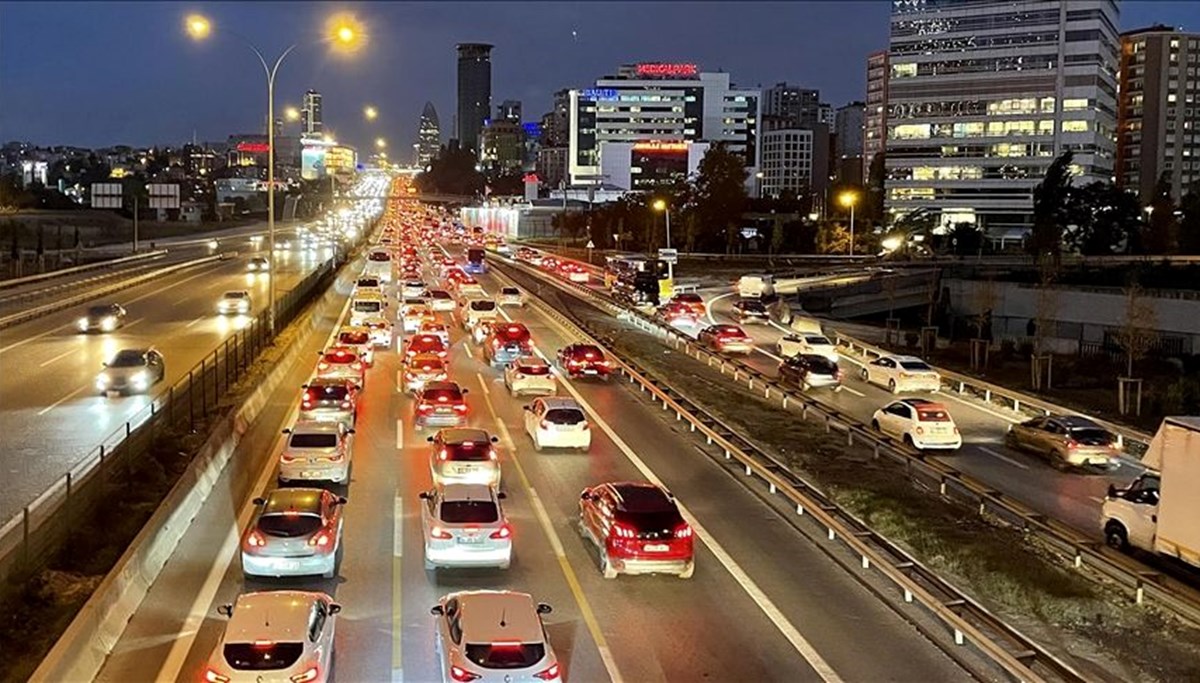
(317, 451)
(295, 532)
(330, 400)
(465, 526)
(494, 637)
(1065, 440)
(275, 637)
(464, 456)
(235, 302)
(131, 371)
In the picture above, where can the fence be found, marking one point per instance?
(29, 540)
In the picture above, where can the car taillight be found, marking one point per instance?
(284, 457)
(356, 366)
(440, 533)
(255, 539)
(622, 531)
(424, 408)
(545, 424)
(306, 404)
(322, 365)
(211, 676)
(461, 407)
(574, 363)
(683, 531)
(1072, 444)
(462, 675)
(309, 674)
(443, 454)
(501, 533)
(345, 405)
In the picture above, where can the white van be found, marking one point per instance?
(756, 286)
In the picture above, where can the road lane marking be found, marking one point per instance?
(543, 517)
(54, 405)
(1003, 457)
(483, 383)
(60, 356)
(196, 321)
(400, 433)
(397, 590)
(1096, 499)
(854, 391)
(768, 354)
(708, 308)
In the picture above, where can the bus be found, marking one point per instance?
(475, 264)
(638, 280)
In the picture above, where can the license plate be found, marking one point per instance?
(443, 411)
(590, 371)
(463, 470)
(470, 539)
(309, 474)
(656, 547)
(289, 565)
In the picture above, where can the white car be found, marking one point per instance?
(902, 373)
(557, 422)
(438, 330)
(465, 526)
(342, 362)
(529, 375)
(284, 636)
(474, 310)
(413, 289)
(920, 423)
(812, 344)
(363, 306)
(415, 315)
(464, 456)
(358, 337)
(511, 296)
(494, 637)
(294, 532)
(381, 331)
(368, 285)
(237, 302)
(317, 451)
(440, 300)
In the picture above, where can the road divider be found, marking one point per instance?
(99, 265)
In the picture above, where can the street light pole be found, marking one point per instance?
(852, 229)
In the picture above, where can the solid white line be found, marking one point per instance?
(60, 356)
(196, 321)
(709, 306)
(54, 405)
(1096, 499)
(398, 527)
(1003, 457)
(400, 433)
(854, 391)
(768, 354)
(981, 408)
(483, 383)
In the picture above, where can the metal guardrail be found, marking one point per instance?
(969, 621)
(1140, 582)
(44, 309)
(15, 282)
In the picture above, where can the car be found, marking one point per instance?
(726, 339)
(380, 329)
(693, 301)
(511, 296)
(294, 532)
(489, 636)
(529, 375)
(464, 456)
(422, 369)
(102, 318)
(235, 301)
(465, 526)
(572, 271)
(584, 360)
(358, 337)
(811, 343)
(454, 275)
(751, 311)
(368, 285)
(416, 314)
(483, 328)
(131, 371)
(901, 374)
(366, 305)
(342, 362)
(469, 288)
(678, 312)
(637, 529)
(506, 343)
(1066, 441)
(330, 400)
(258, 264)
(549, 263)
(919, 422)
(557, 422)
(440, 300)
(473, 310)
(523, 253)
(430, 344)
(413, 289)
(317, 451)
(285, 635)
(440, 404)
(810, 371)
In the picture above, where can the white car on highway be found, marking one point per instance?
(557, 422)
(282, 636)
(317, 451)
(511, 296)
(464, 456)
(368, 285)
(413, 289)
(235, 301)
(381, 331)
(488, 636)
(529, 375)
(465, 526)
(358, 337)
(440, 300)
(901, 374)
(812, 344)
(366, 305)
(294, 532)
(920, 423)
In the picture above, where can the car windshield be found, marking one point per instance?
(505, 655)
(512, 333)
(818, 340)
(235, 295)
(367, 306)
(354, 338)
(753, 306)
(728, 330)
(586, 353)
(431, 365)
(368, 282)
(818, 364)
(289, 524)
(100, 311)
(314, 440)
(483, 305)
(127, 359)
(933, 415)
(534, 369)
(914, 365)
(336, 392)
(469, 451)
(262, 656)
(380, 256)
(340, 357)
(510, 291)
(439, 294)
(1091, 435)
(565, 416)
(442, 396)
(689, 298)
(469, 512)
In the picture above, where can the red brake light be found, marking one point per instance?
(356, 366)
(322, 365)
(443, 454)
(462, 675)
(442, 399)
(549, 674)
(622, 531)
(440, 533)
(345, 405)
(255, 539)
(503, 532)
(683, 531)
(461, 407)
(323, 539)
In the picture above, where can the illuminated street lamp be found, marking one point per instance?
(380, 143)
(370, 112)
(343, 34)
(662, 206)
(292, 114)
(849, 198)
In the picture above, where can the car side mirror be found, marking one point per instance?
(350, 431)
(495, 439)
(526, 408)
(303, 386)
(429, 439)
(341, 500)
(226, 609)
(466, 391)
(259, 501)
(543, 608)
(288, 430)
(425, 495)
(334, 608)
(585, 496)
(436, 610)
(501, 496)
(104, 364)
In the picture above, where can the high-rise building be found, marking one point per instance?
(509, 110)
(983, 95)
(310, 115)
(790, 106)
(501, 147)
(875, 112)
(848, 142)
(474, 92)
(659, 103)
(1159, 111)
(429, 136)
(795, 161)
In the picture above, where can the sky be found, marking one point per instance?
(101, 73)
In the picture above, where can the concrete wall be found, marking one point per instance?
(1080, 316)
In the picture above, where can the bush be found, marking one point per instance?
(1182, 397)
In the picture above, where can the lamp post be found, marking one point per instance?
(661, 205)
(849, 199)
(342, 31)
(370, 112)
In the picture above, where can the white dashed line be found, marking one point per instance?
(1003, 457)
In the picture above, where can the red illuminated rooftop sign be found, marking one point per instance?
(659, 69)
(253, 147)
(657, 146)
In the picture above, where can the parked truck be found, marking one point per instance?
(1160, 511)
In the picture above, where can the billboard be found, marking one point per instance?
(312, 162)
(339, 159)
(107, 195)
(164, 195)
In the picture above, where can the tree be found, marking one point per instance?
(720, 194)
(965, 239)
(1105, 219)
(1050, 199)
(452, 172)
(1139, 330)
(833, 237)
(1162, 233)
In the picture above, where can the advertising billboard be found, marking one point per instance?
(339, 159)
(312, 162)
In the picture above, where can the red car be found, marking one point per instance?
(637, 529)
(549, 263)
(584, 360)
(572, 271)
(692, 301)
(425, 344)
(441, 404)
(678, 311)
(506, 343)
(726, 338)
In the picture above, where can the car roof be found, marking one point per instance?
(236, 293)
(315, 427)
(298, 499)
(469, 492)
(271, 615)
(530, 360)
(1076, 421)
(922, 403)
(640, 496)
(907, 359)
(553, 402)
(462, 435)
(490, 616)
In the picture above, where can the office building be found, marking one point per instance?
(644, 166)
(474, 92)
(429, 136)
(794, 162)
(983, 95)
(790, 106)
(1159, 112)
(847, 158)
(556, 124)
(875, 111)
(659, 103)
(310, 115)
(551, 166)
(509, 110)
(501, 147)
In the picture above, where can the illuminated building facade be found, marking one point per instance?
(474, 92)
(311, 124)
(644, 166)
(982, 95)
(429, 136)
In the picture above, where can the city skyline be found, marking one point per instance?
(215, 90)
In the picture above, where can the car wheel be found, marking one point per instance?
(1116, 537)
(606, 568)
(1057, 462)
(1010, 441)
(864, 375)
(892, 386)
(908, 441)
(688, 571)
(875, 425)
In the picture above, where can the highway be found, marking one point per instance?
(765, 602)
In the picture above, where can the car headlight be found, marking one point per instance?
(108, 323)
(83, 323)
(103, 380)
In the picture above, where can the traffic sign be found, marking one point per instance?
(669, 255)
(591, 244)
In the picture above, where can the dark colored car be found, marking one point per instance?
(103, 318)
(751, 311)
(584, 360)
(807, 370)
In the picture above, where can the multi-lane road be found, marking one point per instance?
(765, 602)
